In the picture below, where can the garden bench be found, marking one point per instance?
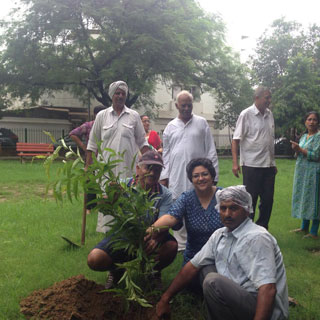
(25, 149)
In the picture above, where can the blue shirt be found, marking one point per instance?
(162, 196)
(200, 223)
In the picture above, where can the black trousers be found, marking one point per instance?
(259, 182)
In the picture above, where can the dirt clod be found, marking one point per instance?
(77, 298)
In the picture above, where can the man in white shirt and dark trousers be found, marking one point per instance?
(186, 137)
(255, 134)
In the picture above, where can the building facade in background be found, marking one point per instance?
(61, 113)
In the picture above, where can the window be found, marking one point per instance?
(194, 90)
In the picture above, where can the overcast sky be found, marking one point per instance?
(250, 18)
(245, 17)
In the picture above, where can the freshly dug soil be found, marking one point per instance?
(80, 299)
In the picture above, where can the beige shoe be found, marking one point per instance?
(312, 236)
(299, 231)
(292, 302)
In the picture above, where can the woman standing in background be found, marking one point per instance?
(152, 137)
(306, 185)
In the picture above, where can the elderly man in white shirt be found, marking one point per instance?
(185, 138)
(241, 267)
(255, 134)
(119, 128)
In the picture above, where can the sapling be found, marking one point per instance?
(131, 208)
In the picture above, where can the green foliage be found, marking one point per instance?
(233, 94)
(298, 95)
(81, 46)
(274, 48)
(131, 208)
(287, 61)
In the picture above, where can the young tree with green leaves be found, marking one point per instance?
(133, 206)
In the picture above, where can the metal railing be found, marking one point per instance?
(222, 141)
(36, 135)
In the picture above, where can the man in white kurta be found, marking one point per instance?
(119, 128)
(185, 138)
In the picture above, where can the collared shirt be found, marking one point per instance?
(256, 134)
(120, 133)
(161, 194)
(249, 256)
(83, 130)
(182, 143)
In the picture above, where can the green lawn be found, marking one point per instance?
(34, 256)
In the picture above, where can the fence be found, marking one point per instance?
(222, 141)
(36, 135)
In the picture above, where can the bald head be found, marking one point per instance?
(184, 105)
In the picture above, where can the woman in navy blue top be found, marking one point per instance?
(196, 207)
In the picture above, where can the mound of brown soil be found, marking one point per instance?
(79, 299)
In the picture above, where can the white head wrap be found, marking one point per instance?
(236, 194)
(117, 85)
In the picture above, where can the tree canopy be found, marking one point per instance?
(234, 94)
(81, 46)
(287, 60)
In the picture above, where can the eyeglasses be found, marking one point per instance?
(200, 174)
(146, 121)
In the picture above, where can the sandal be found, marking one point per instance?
(310, 235)
(299, 230)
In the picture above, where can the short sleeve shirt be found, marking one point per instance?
(83, 130)
(250, 257)
(256, 134)
(163, 199)
(200, 223)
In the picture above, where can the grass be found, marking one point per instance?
(34, 256)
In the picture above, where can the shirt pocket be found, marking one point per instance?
(127, 131)
(107, 132)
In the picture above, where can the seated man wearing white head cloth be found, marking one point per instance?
(119, 128)
(241, 266)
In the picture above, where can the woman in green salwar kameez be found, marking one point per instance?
(306, 185)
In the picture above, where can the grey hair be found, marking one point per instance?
(236, 194)
(184, 92)
(259, 91)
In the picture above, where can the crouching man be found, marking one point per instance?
(103, 258)
(241, 266)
